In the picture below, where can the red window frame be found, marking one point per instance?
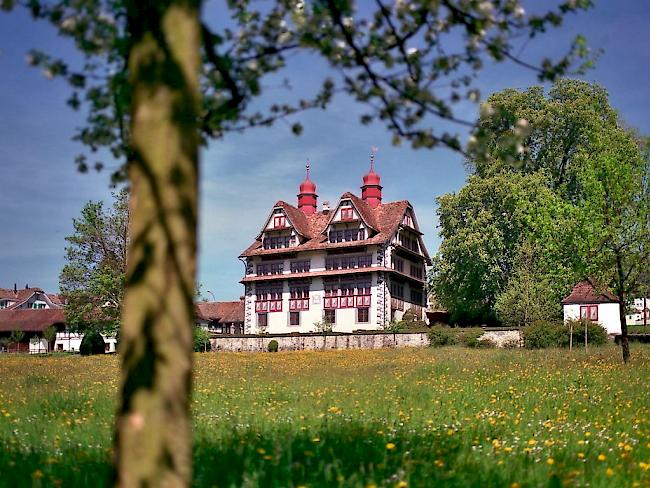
(347, 213)
(589, 312)
(279, 222)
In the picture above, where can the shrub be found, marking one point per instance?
(273, 346)
(92, 343)
(544, 334)
(441, 336)
(470, 338)
(596, 333)
(201, 338)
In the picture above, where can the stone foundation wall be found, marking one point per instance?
(312, 342)
(316, 342)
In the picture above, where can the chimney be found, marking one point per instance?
(15, 288)
(326, 207)
(242, 298)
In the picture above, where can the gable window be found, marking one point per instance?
(408, 221)
(346, 213)
(589, 312)
(363, 315)
(398, 264)
(279, 222)
(37, 305)
(278, 242)
(347, 235)
(294, 318)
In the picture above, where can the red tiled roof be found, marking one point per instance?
(586, 292)
(29, 320)
(222, 311)
(385, 219)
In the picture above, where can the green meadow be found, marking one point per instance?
(412, 417)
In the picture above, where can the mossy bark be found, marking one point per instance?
(153, 439)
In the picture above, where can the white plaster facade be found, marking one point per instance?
(71, 341)
(607, 315)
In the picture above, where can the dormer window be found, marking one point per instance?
(347, 213)
(408, 221)
(347, 235)
(3, 303)
(279, 222)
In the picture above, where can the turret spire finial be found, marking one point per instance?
(373, 151)
(307, 167)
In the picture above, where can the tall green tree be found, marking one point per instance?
(531, 130)
(157, 80)
(484, 228)
(616, 193)
(92, 280)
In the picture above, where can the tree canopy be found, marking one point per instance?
(559, 194)
(92, 280)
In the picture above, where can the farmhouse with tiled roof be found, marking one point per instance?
(33, 298)
(591, 302)
(357, 265)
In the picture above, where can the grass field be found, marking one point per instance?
(435, 417)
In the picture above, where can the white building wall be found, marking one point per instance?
(607, 315)
(71, 341)
(37, 345)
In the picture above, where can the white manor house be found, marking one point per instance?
(357, 265)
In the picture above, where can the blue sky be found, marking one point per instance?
(244, 174)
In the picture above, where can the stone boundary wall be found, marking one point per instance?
(314, 342)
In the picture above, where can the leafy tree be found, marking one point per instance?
(49, 335)
(201, 339)
(147, 65)
(616, 181)
(93, 278)
(16, 337)
(526, 298)
(530, 131)
(484, 227)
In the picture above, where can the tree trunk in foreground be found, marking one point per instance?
(152, 444)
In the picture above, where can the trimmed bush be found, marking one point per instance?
(551, 334)
(441, 336)
(596, 333)
(542, 335)
(92, 343)
(273, 346)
